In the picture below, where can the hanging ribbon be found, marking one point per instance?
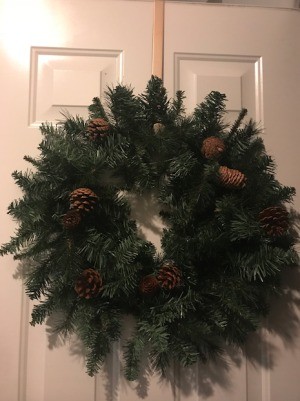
(158, 38)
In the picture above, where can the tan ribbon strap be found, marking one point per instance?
(158, 38)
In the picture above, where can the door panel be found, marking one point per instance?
(252, 55)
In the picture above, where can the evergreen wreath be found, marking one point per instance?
(227, 236)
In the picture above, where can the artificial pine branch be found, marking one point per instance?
(124, 108)
(208, 115)
(177, 108)
(96, 109)
(155, 101)
(238, 122)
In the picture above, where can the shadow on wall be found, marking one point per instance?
(284, 322)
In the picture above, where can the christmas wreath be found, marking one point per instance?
(227, 236)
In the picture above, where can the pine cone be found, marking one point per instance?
(88, 284)
(83, 199)
(231, 178)
(98, 128)
(158, 128)
(169, 275)
(149, 285)
(212, 147)
(71, 219)
(274, 220)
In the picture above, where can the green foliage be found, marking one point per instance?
(209, 114)
(229, 263)
(96, 109)
(155, 102)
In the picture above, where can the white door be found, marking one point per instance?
(59, 54)
(55, 54)
(253, 55)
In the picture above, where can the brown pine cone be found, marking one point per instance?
(274, 220)
(212, 147)
(71, 219)
(97, 128)
(169, 275)
(158, 128)
(88, 284)
(83, 200)
(231, 178)
(148, 285)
